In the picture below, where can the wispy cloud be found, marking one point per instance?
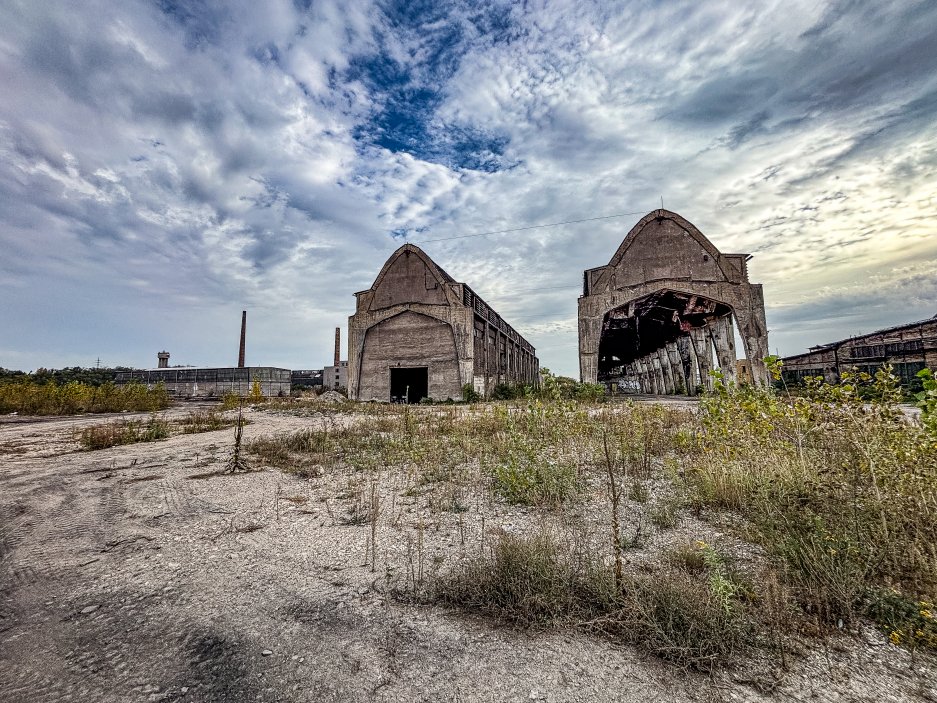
(164, 164)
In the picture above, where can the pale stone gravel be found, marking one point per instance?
(220, 589)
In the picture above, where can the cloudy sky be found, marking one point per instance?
(166, 164)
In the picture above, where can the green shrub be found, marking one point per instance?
(927, 401)
(469, 394)
(527, 477)
(908, 622)
(506, 391)
(231, 400)
(589, 392)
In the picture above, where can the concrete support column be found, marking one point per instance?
(676, 368)
(699, 337)
(665, 370)
(647, 383)
(487, 391)
(723, 336)
(684, 348)
(652, 375)
(641, 374)
(658, 374)
(754, 332)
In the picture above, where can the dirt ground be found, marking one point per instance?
(123, 579)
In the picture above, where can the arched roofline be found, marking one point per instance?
(441, 276)
(685, 224)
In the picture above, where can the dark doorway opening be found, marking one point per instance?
(644, 325)
(409, 385)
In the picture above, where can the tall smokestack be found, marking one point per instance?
(243, 338)
(338, 346)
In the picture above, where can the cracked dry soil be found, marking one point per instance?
(122, 579)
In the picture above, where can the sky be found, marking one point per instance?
(167, 164)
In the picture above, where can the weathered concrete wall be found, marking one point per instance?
(410, 340)
(409, 280)
(335, 376)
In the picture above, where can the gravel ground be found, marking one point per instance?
(124, 579)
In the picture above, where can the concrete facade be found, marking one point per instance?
(908, 348)
(335, 376)
(189, 382)
(653, 316)
(419, 333)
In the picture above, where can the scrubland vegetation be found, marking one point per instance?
(32, 398)
(119, 432)
(824, 505)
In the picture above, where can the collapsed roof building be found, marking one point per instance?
(418, 333)
(651, 318)
(909, 348)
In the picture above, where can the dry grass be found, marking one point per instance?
(833, 497)
(843, 492)
(112, 434)
(686, 618)
(120, 432)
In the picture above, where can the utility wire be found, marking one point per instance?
(523, 229)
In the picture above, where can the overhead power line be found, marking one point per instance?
(529, 227)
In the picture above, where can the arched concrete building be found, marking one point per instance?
(418, 333)
(653, 316)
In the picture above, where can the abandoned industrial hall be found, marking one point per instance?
(650, 320)
(908, 348)
(418, 333)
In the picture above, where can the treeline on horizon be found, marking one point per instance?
(94, 376)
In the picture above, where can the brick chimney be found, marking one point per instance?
(243, 338)
(338, 346)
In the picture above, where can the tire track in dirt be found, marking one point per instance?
(181, 501)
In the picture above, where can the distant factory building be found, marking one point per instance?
(306, 378)
(418, 333)
(908, 348)
(336, 375)
(191, 382)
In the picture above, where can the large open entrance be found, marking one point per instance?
(643, 326)
(409, 385)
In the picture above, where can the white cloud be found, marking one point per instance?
(178, 166)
